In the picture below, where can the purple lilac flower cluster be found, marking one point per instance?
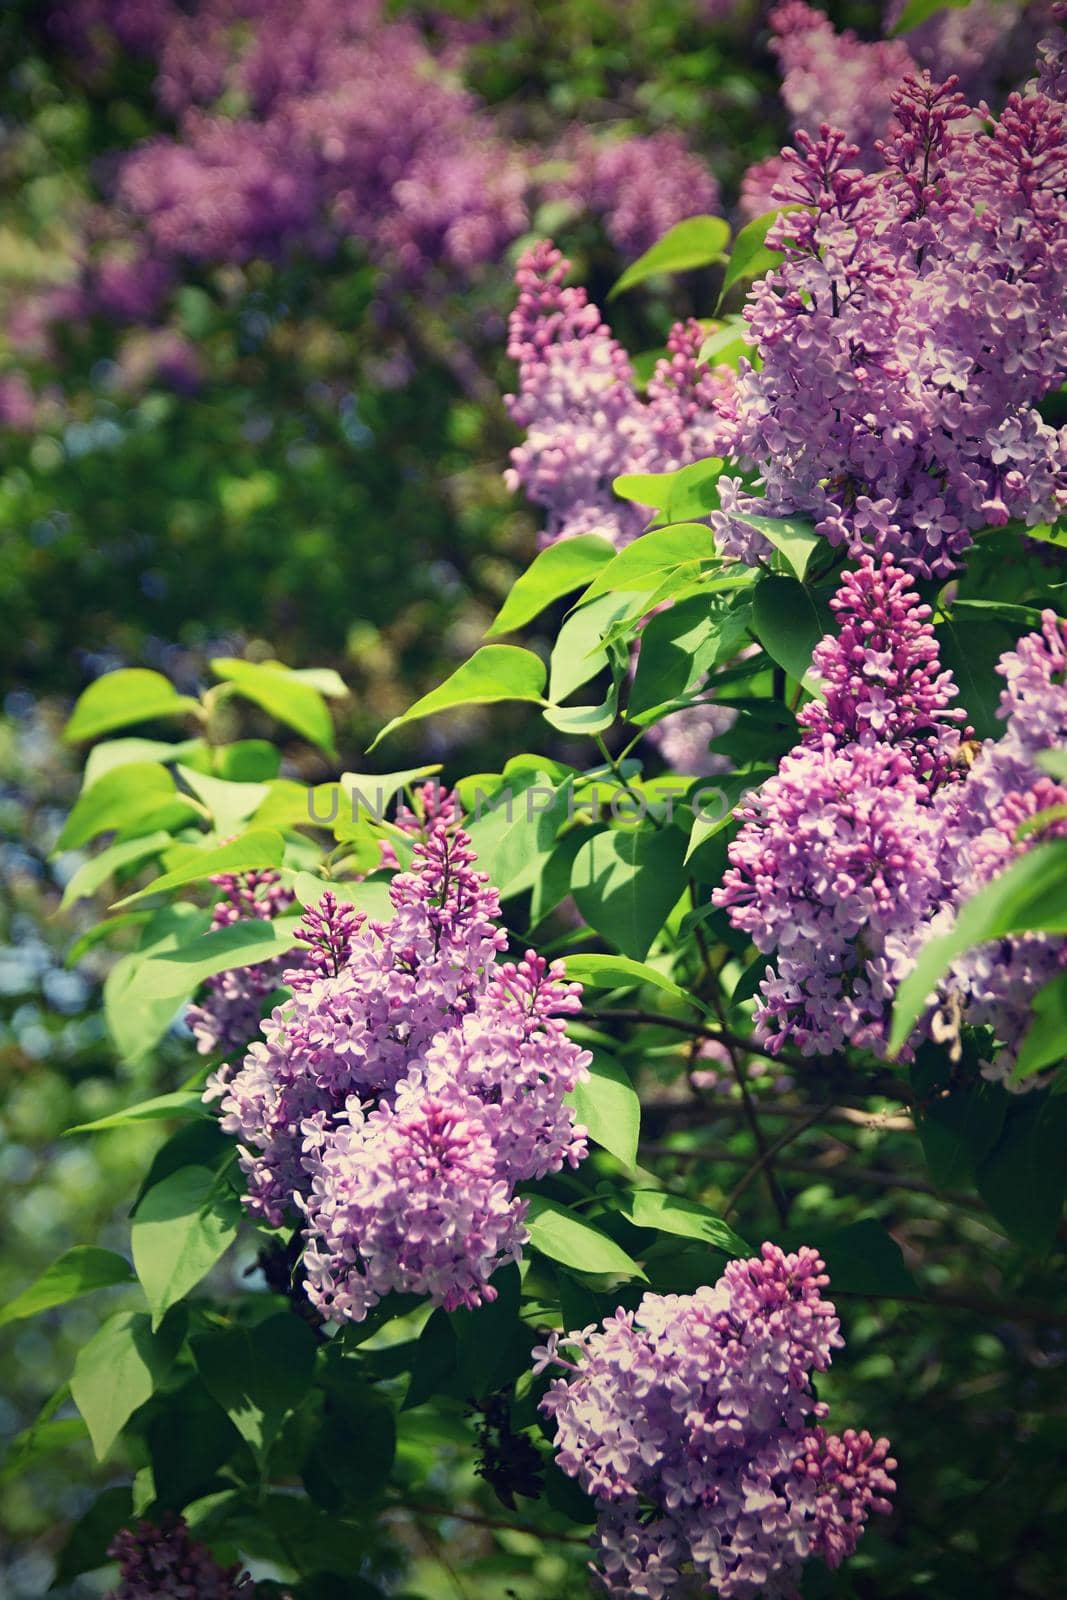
(836, 78)
(693, 1424)
(165, 1560)
(995, 985)
(906, 342)
(641, 186)
(228, 1014)
(872, 833)
(584, 420)
(406, 1089)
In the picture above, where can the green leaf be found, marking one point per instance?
(284, 694)
(566, 1238)
(87, 1543)
(258, 1375)
(495, 672)
(861, 1259)
(181, 1228)
(136, 1022)
(626, 883)
(726, 345)
(696, 242)
(750, 256)
(670, 1213)
(715, 815)
(338, 1477)
(116, 1372)
(639, 567)
(121, 752)
(619, 972)
(78, 1271)
(677, 648)
(789, 623)
(371, 897)
(1053, 762)
(577, 655)
(958, 1125)
(608, 1107)
(258, 848)
(1027, 897)
(126, 797)
(1045, 1043)
(796, 540)
(248, 761)
(918, 11)
(182, 1103)
(368, 793)
(1024, 1178)
(970, 650)
(325, 679)
(175, 974)
(553, 573)
(118, 699)
(229, 803)
(680, 496)
(96, 871)
(514, 838)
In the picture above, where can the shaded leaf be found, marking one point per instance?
(77, 1271)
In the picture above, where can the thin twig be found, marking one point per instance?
(765, 1156)
(496, 1524)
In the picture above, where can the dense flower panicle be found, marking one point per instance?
(406, 1088)
(228, 1015)
(880, 674)
(915, 325)
(836, 869)
(995, 984)
(165, 1560)
(641, 186)
(986, 44)
(693, 1424)
(836, 78)
(1052, 51)
(584, 420)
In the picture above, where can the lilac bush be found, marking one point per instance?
(164, 1559)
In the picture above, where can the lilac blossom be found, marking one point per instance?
(584, 420)
(836, 78)
(885, 407)
(228, 1015)
(880, 673)
(165, 1560)
(682, 738)
(693, 1424)
(838, 868)
(995, 985)
(406, 1088)
(1052, 51)
(641, 186)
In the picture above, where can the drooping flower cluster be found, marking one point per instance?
(693, 1424)
(164, 1559)
(838, 865)
(995, 985)
(641, 186)
(406, 1089)
(906, 342)
(585, 422)
(871, 833)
